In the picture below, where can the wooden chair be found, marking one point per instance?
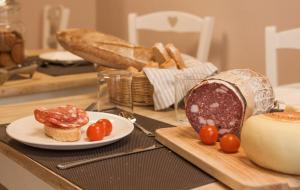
(173, 21)
(55, 18)
(289, 39)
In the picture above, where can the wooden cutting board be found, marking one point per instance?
(234, 170)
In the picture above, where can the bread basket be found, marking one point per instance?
(142, 90)
(113, 52)
(119, 90)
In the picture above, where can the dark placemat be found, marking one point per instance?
(57, 69)
(156, 169)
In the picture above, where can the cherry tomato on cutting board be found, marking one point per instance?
(106, 124)
(95, 132)
(230, 143)
(208, 134)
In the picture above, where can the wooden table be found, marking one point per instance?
(46, 83)
(29, 173)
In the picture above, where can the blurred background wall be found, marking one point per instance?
(82, 14)
(238, 40)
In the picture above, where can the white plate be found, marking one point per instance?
(28, 131)
(63, 57)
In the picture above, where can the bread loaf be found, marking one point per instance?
(17, 53)
(6, 60)
(104, 49)
(11, 48)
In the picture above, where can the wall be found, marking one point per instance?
(238, 40)
(83, 14)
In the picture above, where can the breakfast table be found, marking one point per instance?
(24, 167)
(20, 97)
(31, 174)
(15, 165)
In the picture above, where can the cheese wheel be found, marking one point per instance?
(272, 141)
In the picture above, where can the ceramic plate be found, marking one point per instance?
(28, 131)
(62, 57)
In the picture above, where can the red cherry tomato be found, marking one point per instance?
(95, 132)
(208, 134)
(230, 143)
(106, 124)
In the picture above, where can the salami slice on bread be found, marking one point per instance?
(227, 99)
(104, 49)
(62, 123)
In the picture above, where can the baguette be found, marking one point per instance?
(104, 49)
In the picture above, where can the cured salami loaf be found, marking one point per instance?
(227, 99)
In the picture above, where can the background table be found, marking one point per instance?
(43, 86)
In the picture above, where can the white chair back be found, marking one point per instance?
(55, 18)
(289, 39)
(174, 21)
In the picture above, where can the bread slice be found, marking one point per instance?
(152, 64)
(169, 64)
(61, 134)
(160, 53)
(176, 55)
(132, 69)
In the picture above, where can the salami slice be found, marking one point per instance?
(39, 116)
(227, 99)
(62, 117)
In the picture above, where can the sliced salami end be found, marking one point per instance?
(215, 104)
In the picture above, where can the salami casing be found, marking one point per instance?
(227, 99)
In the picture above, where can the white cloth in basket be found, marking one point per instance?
(163, 80)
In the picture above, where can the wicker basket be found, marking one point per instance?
(142, 91)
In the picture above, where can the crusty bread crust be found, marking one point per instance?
(160, 53)
(104, 49)
(152, 64)
(64, 135)
(169, 64)
(176, 55)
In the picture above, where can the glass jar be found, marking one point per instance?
(11, 38)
